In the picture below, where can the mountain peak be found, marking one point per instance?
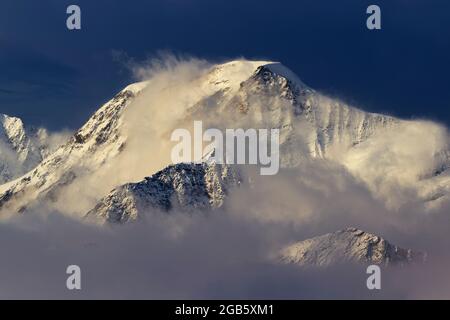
(279, 69)
(237, 71)
(348, 245)
(231, 74)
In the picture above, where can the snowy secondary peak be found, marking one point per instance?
(348, 245)
(21, 148)
(183, 187)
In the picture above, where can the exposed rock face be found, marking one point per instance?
(349, 245)
(185, 187)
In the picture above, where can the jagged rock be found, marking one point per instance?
(185, 186)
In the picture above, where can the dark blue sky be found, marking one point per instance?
(55, 77)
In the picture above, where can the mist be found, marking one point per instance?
(230, 252)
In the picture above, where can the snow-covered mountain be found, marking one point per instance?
(21, 148)
(185, 186)
(348, 245)
(123, 141)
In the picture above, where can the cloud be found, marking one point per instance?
(225, 254)
(230, 252)
(396, 162)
